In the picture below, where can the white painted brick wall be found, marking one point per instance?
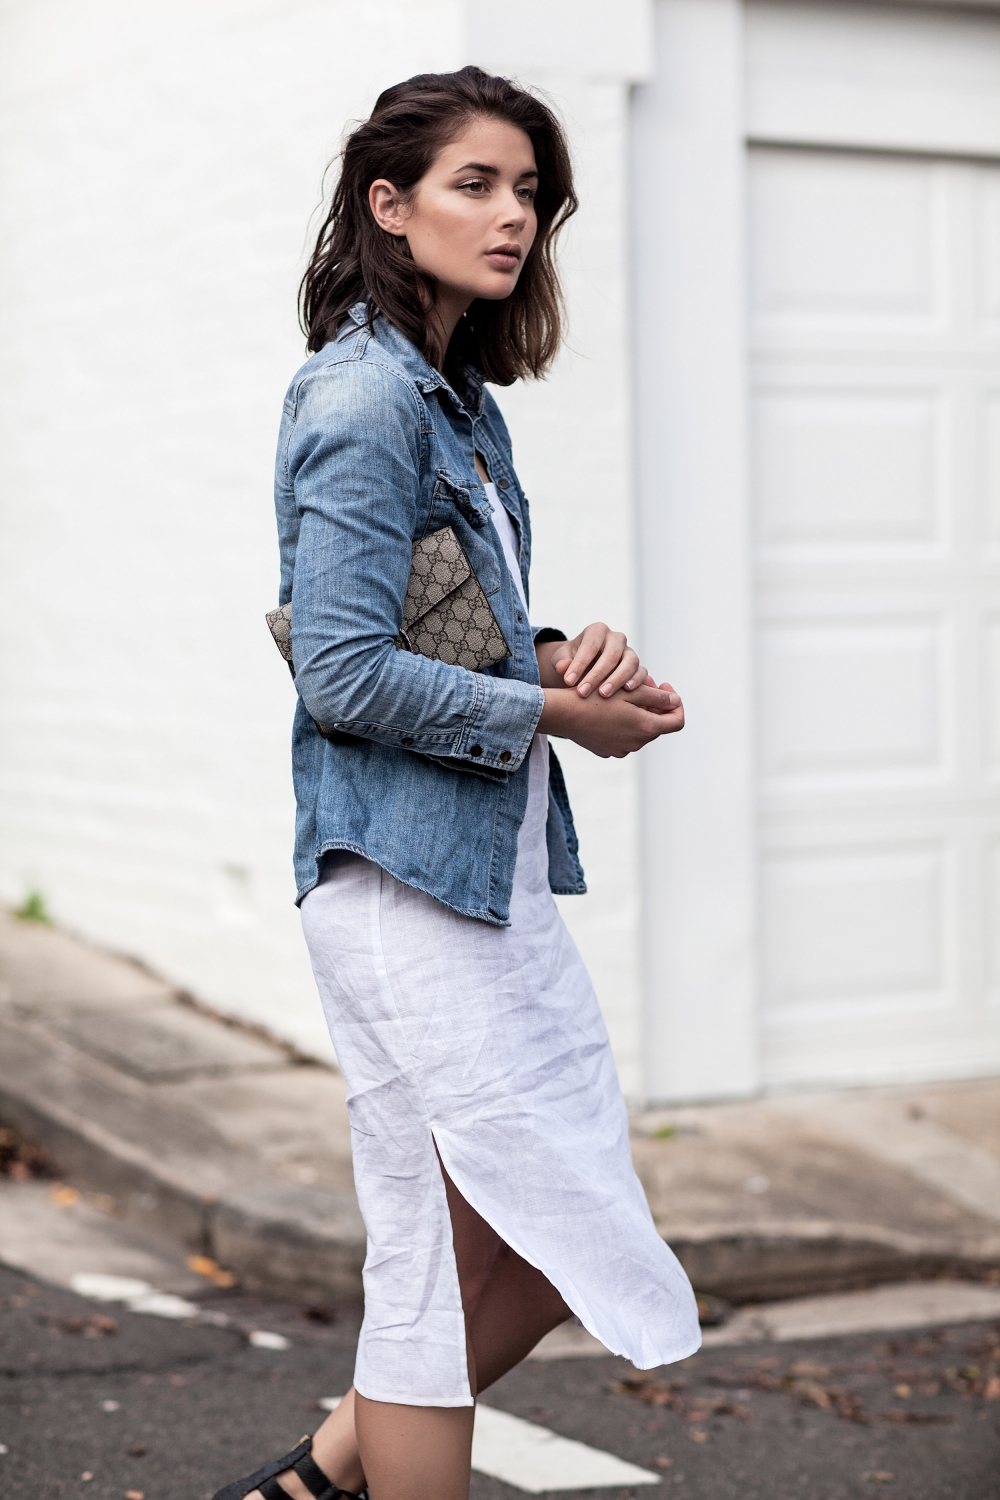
(160, 164)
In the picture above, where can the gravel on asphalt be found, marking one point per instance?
(173, 1410)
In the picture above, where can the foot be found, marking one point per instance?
(334, 1452)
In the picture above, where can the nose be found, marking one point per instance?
(514, 213)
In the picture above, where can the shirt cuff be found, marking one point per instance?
(501, 726)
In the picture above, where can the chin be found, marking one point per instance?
(495, 293)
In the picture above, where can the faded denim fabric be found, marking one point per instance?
(428, 777)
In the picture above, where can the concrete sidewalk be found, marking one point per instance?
(234, 1147)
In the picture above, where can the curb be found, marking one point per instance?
(209, 1199)
(310, 1242)
(769, 1262)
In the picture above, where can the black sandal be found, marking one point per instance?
(301, 1460)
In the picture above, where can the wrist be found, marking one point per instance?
(561, 712)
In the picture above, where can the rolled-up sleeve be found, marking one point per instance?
(353, 462)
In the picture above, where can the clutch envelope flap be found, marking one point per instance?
(440, 566)
(279, 622)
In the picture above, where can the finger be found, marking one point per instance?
(606, 663)
(675, 698)
(639, 676)
(591, 643)
(628, 673)
(669, 723)
(655, 699)
(614, 649)
(652, 726)
(665, 700)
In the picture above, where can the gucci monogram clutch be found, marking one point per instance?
(446, 614)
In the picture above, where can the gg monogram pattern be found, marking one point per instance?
(446, 615)
(279, 623)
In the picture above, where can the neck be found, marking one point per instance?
(443, 319)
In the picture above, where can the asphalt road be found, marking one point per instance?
(173, 1410)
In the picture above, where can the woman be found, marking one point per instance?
(489, 1134)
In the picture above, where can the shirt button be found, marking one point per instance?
(520, 618)
(505, 756)
(503, 484)
(476, 750)
(406, 740)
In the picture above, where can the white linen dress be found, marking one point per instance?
(487, 1042)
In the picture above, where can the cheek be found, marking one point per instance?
(442, 230)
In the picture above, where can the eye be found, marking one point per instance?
(527, 194)
(476, 185)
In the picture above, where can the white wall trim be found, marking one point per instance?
(691, 376)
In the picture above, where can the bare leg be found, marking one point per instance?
(424, 1452)
(415, 1452)
(508, 1305)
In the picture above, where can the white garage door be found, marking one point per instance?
(875, 336)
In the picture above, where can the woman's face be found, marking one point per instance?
(471, 220)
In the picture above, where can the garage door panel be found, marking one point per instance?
(851, 699)
(850, 466)
(837, 237)
(990, 634)
(988, 260)
(876, 479)
(856, 932)
(989, 446)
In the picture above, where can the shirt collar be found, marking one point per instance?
(423, 374)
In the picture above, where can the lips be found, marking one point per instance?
(504, 257)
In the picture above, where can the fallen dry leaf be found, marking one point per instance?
(204, 1265)
(811, 1393)
(805, 1369)
(63, 1196)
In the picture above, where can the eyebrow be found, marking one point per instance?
(480, 166)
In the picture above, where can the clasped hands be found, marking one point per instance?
(598, 693)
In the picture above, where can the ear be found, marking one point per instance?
(387, 208)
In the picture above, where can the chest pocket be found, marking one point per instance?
(457, 503)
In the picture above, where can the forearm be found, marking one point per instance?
(418, 704)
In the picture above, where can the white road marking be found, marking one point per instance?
(163, 1305)
(534, 1459)
(105, 1288)
(261, 1339)
(138, 1296)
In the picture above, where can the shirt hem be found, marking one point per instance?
(409, 1399)
(345, 844)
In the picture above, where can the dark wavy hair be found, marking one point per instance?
(355, 260)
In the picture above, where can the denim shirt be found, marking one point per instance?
(427, 775)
